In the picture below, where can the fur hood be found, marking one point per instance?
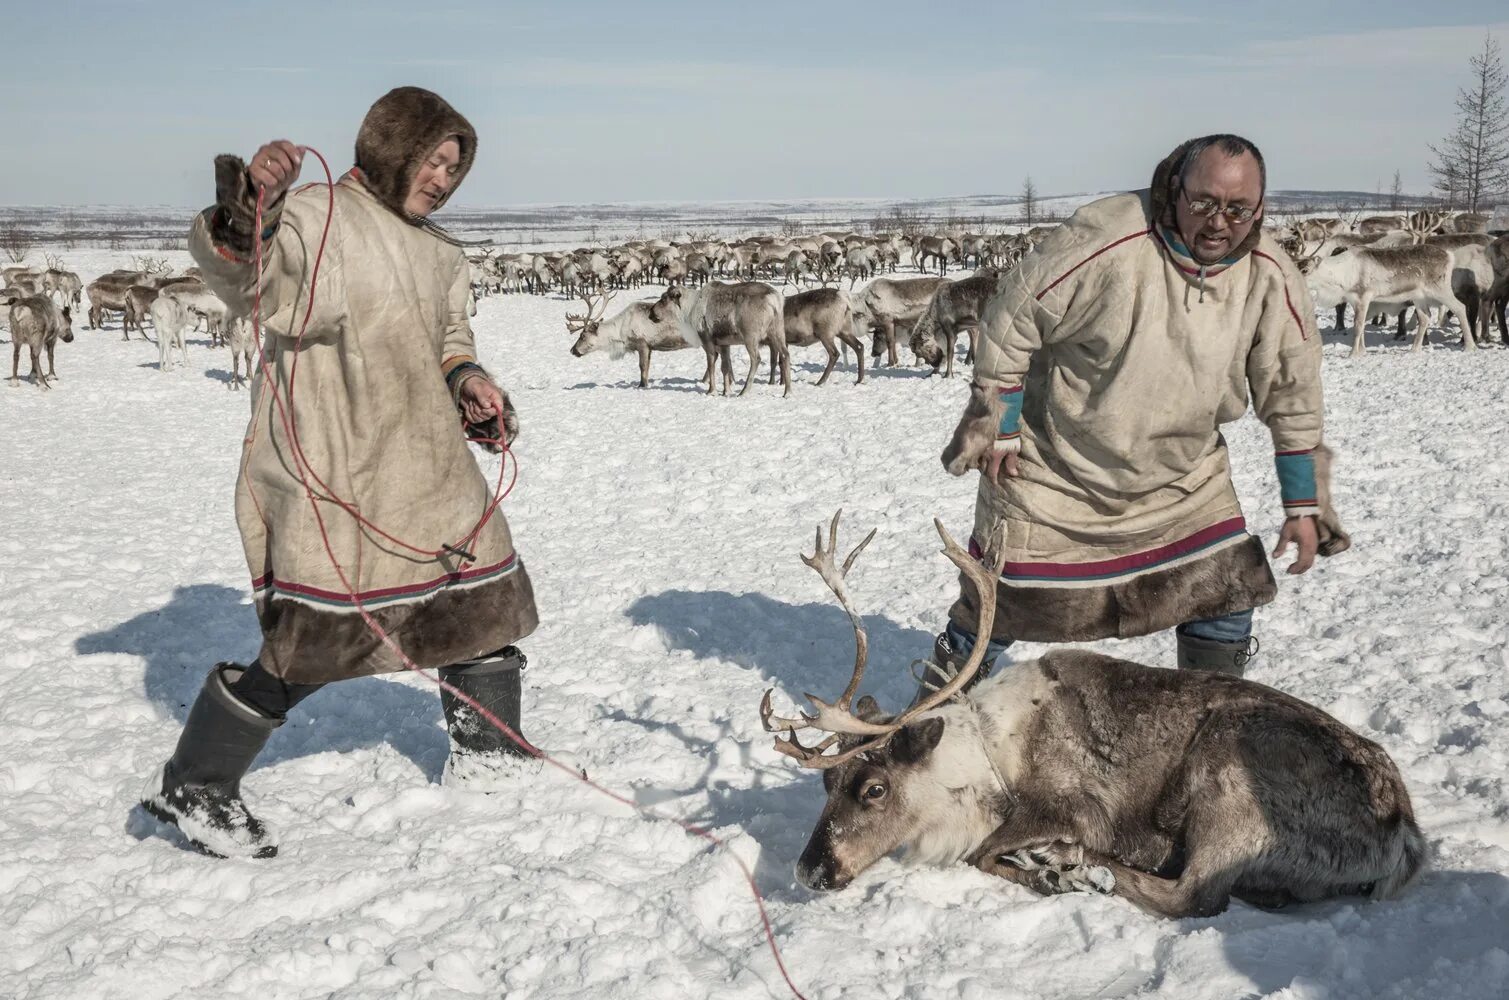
(400, 130)
(1165, 188)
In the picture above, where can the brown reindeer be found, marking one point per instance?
(1173, 789)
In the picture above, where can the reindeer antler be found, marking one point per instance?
(596, 306)
(836, 718)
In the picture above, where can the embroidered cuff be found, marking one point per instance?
(1296, 482)
(1008, 431)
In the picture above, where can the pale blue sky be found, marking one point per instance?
(127, 102)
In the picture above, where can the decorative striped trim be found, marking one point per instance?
(1076, 267)
(1303, 333)
(269, 586)
(226, 253)
(1296, 477)
(1011, 413)
(1103, 571)
(449, 366)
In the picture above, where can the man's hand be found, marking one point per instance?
(274, 168)
(1000, 459)
(1302, 532)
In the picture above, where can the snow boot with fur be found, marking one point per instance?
(1220, 657)
(199, 789)
(481, 753)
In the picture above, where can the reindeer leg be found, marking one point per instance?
(50, 372)
(1359, 324)
(15, 361)
(786, 371)
(832, 349)
(953, 345)
(1422, 325)
(859, 355)
(890, 344)
(726, 359)
(644, 365)
(36, 366)
(710, 375)
(754, 366)
(1460, 312)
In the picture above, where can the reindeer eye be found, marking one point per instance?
(875, 792)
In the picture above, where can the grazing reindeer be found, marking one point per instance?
(955, 308)
(886, 303)
(823, 315)
(36, 323)
(630, 330)
(719, 316)
(1175, 790)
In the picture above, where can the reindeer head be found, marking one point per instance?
(585, 324)
(924, 340)
(882, 784)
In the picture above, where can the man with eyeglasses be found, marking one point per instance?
(1112, 355)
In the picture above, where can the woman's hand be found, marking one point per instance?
(481, 400)
(274, 168)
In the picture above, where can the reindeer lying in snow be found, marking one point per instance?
(1173, 789)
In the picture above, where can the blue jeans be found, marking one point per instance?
(1234, 627)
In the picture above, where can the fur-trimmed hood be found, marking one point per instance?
(400, 130)
(1165, 188)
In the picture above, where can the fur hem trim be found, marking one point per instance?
(1232, 578)
(304, 644)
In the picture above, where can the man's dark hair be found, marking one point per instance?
(1231, 145)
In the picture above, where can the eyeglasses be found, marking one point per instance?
(1206, 207)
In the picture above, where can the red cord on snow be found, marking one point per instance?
(309, 479)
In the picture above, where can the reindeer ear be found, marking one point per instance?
(868, 709)
(916, 741)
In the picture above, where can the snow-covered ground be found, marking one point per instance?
(662, 530)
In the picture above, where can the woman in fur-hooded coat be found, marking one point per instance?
(385, 368)
(376, 421)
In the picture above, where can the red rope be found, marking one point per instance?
(306, 473)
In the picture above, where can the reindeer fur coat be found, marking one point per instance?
(375, 417)
(1111, 359)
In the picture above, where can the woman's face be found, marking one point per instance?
(434, 178)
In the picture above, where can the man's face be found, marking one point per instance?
(435, 176)
(1229, 182)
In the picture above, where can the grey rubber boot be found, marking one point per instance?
(943, 666)
(199, 789)
(478, 748)
(1219, 657)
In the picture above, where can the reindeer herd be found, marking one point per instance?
(1425, 260)
(722, 294)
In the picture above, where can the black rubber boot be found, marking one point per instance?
(479, 749)
(943, 666)
(1219, 657)
(199, 789)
